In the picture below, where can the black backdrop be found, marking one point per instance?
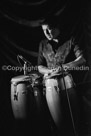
(20, 33)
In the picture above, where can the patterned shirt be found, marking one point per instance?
(52, 54)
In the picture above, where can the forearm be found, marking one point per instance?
(43, 70)
(77, 62)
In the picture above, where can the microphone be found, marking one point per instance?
(21, 57)
(25, 61)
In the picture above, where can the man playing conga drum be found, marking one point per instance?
(53, 64)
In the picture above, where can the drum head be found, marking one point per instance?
(36, 78)
(35, 75)
(20, 78)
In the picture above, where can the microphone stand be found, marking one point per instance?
(25, 68)
(68, 101)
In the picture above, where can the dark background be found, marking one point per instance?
(21, 33)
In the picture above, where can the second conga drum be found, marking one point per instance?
(20, 87)
(53, 101)
(37, 92)
(41, 114)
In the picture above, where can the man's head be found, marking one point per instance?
(50, 32)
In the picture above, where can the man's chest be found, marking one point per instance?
(56, 54)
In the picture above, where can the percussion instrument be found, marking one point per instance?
(19, 95)
(26, 95)
(53, 100)
(55, 83)
(28, 101)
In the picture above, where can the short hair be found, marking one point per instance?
(52, 22)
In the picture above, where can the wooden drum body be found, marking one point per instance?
(19, 96)
(53, 96)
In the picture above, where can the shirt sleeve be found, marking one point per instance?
(77, 50)
(41, 59)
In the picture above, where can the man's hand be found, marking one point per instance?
(65, 67)
(56, 70)
(51, 73)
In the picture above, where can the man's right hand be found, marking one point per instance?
(54, 71)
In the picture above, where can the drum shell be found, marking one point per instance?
(42, 115)
(54, 101)
(56, 97)
(67, 83)
(19, 100)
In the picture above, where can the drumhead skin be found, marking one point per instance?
(20, 78)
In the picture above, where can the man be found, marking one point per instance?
(53, 63)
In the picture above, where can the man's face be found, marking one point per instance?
(47, 31)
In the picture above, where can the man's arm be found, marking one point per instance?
(80, 60)
(77, 62)
(44, 70)
(42, 65)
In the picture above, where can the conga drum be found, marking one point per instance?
(41, 113)
(20, 87)
(37, 91)
(53, 100)
(54, 93)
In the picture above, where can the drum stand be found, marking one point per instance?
(75, 133)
